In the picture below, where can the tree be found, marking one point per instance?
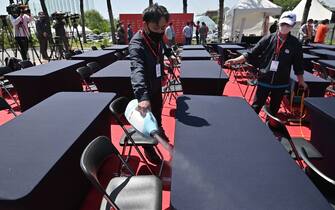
(184, 6)
(82, 13)
(220, 22)
(287, 4)
(306, 11)
(151, 2)
(111, 20)
(94, 20)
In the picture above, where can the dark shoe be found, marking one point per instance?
(151, 155)
(163, 135)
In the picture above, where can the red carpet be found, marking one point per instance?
(93, 198)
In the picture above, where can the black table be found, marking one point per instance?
(118, 48)
(316, 85)
(195, 55)
(37, 83)
(115, 78)
(40, 151)
(326, 54)
(329, 63)
(103, 57)
(226, 158)
(323, 46)
(322, 115)
(193, 47)
(202, 78)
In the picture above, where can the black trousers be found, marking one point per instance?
(197, 38)
(23, 44)
(43, 47)
(262, 93)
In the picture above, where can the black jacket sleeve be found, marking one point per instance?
(298, 60)
(258, 49)
(137, 67)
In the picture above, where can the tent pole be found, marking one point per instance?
(332, 35)
(232, 27)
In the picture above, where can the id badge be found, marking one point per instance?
(158, 70)
(274, 66)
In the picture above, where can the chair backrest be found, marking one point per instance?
(316, 65)
(102, 46)
(93, 157)
(94, 66)
(118, 55)
(118, 107)
(26, 64)
(84, 72)
(94, 48)
(276, 125)
(3, 104)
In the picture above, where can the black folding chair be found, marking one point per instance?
(26, 64)
(330, 91)
(299, 148)
(4, 105)
(121, 193)
(94, 66)
(5, 84)
(102, 46)
(131, 137)
(85, 73)
(94, 48)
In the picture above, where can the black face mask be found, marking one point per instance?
(154, 36)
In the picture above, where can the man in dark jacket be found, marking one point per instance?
(278, 52)
(146, 55)
(43, 33)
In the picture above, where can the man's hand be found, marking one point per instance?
(45, 34)
(143, 107)
(230, 62)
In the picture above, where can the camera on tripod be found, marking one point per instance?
(19, 8)
(58, 16)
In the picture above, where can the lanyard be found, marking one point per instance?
(279, 46)
(146, 39)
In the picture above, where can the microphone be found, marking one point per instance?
(146, 125)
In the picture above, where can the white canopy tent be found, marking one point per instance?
(249, 17)
(209, 22)
(316, 12)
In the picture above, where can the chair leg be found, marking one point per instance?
(162, 163)
(10, 95)
(252, 93)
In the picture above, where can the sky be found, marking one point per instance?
(137, 6)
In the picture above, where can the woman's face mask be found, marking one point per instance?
(285, 28)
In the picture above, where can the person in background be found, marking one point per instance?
(121, 34)
(278, 52)
(21, 31)
(306, 32)
(43, 34)
(170, 35)
(197, 27)
(315, 25)
(203, 33)
(129, 32)
(321, 32)
(146, 64)
(187, 34)
(274, 27)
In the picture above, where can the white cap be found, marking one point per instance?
(288, 17)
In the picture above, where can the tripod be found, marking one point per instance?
(73, 38)
(6, 32)
(56, 48)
